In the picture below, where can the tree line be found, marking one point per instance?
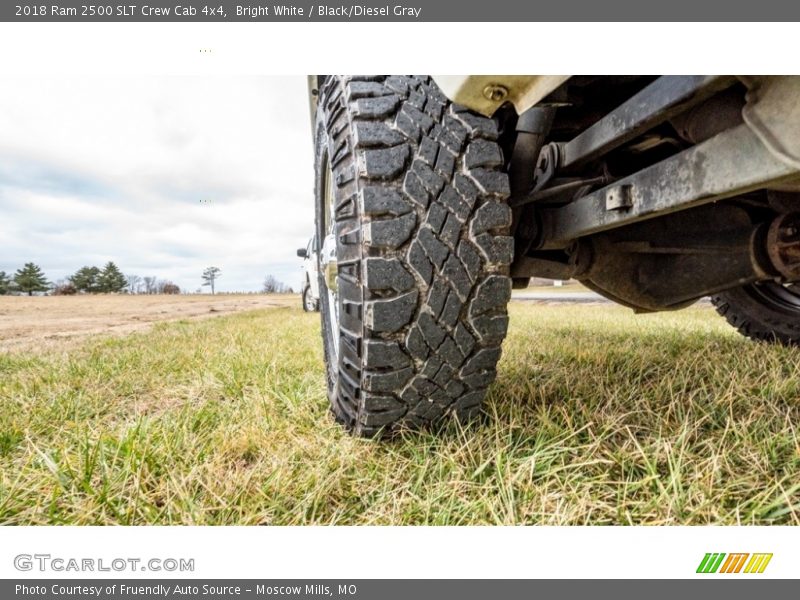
(271, 284)
(30, 279)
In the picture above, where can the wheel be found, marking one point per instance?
(412, 208)
(764, 311)
(310, 304)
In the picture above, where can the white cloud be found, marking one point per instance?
(163, 175)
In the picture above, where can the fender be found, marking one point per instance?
(486, 93)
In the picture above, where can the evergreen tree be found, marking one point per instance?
(85, 279)
(5, 283)
(31, 279)
(111, 279)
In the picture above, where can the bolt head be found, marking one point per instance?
(495, 92)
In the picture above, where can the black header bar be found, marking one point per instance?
(174, 11)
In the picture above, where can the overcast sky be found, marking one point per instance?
(163, 175)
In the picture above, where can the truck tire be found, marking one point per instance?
(309, 303)
(412, 206)
(765, 311)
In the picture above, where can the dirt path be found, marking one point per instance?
(42, 322)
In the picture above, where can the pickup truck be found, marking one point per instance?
(310, 289)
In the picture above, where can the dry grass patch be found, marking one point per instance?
(30, 323)
(597, 416)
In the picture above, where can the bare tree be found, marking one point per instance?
(149, 285)
(167, 287)
(134, 284)
(273, 286)
(210, 275)
(64, 287)
(270, 283)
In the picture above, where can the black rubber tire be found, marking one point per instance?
(759, 312)
(421, 221)
(304, 299)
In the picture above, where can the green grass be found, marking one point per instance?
(597, 417)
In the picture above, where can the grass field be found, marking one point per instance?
(597, 417)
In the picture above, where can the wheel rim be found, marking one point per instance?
(328, 264)
(784, 297)
(309, 300)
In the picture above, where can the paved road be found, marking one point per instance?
(545, 297)
(569, 297)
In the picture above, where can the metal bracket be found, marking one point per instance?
(545, 167)
(659, 101)
(619, 197)
(729, 164)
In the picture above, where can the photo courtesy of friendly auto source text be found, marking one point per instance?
(239, 290)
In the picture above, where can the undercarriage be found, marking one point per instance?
(655, 192)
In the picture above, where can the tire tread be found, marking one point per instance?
(424, 212)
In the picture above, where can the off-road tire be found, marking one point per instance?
(304, 300)
(759, 315)
(421, 222)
